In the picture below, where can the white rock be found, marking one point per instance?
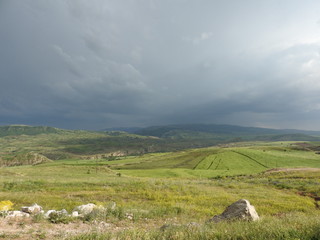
(63, 212)
(75, 214)
(85, 209)
(35, 208)
(47, 214)
(54, 213)
(17, 214)
(241, 210)
(60, 213)
(129, 216)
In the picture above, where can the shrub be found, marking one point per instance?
(6, 205)
(60, 217)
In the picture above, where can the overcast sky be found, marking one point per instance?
(96, 64)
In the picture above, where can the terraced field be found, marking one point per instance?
(218, 161)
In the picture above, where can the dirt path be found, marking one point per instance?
(23, 230)
(26, 229)
(292, 170)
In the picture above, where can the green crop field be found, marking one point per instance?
(212, 162)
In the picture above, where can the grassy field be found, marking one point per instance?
(226, 160)
(178, 188)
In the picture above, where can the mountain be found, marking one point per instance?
(122, 129)
(226, 131)
(16, 130)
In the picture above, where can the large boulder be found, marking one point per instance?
(241, 210)
(34, 209)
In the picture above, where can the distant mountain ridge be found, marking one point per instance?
(176, 131)
(220, 130)
(122, 129)
(16, 130)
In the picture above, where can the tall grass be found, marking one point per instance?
(288, 227)
(61, 186)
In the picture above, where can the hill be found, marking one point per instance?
(224, 160)
(122, 129)
(227, 132)
(18, 141)
(16, 130)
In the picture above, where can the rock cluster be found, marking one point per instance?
(17, 214)
(79, 211)
(240, 210)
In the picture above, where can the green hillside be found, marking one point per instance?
(227, 133)
(220, 161)
(17, 142)
(20, 145)
(16, 130)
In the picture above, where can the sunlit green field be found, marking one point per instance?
(218, 161)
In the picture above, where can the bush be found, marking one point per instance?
(6, 205)
(60, 217)
(96, 214)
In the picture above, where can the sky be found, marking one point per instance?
(98, 64)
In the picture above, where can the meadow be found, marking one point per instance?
(177, 188)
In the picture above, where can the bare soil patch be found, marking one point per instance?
(26, 229)
(292, 170)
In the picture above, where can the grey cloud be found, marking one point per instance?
(95, 64)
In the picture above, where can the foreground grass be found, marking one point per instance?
(291, 226)
(66, 186)
(286, 226)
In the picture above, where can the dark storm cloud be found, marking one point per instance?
(95, 64)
